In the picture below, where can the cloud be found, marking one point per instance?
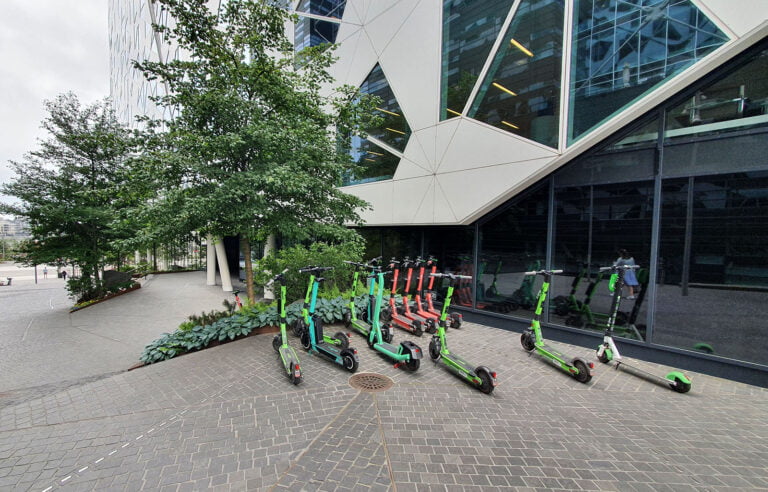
(47, 47)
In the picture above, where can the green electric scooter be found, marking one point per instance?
(280, 342)
(480, 377)
(608, 351)
(312, 338)
(407, 354)
(531, 338)
(339, 339)
(350, 316)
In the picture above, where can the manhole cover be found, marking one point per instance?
(370, 382)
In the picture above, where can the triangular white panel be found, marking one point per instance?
(409, 169)
(443, 205)
(445, 132)
(346, 55)
(426, 212)
(363, 62)
(384, 28)
(353, 14)
(346, 30)
(476, 145)
(379, 195)
(423, 142)
(413, 69)
(410, 196)
(738, 17)
(477, 186)
(378, 7)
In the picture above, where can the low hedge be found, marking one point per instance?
(192, 337)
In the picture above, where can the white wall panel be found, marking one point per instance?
(445, 132)
(415, 163)
(346, 55)
(413, 201)
(425, 138)
(379, 195)
(444, 213)
(467, 189)
(411, 62)
(476, 145)
(739, 16)
(354, 12)
(378, 7)
(363, 61)
(384, 27)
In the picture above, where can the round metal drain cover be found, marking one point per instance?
(370, 382)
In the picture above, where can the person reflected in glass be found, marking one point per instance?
(630, 279)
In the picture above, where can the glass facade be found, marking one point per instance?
(327, 8)
(393, 129)
(372, 163)
(521, 92)
(623, 49)
(314, 32)
(470, 28)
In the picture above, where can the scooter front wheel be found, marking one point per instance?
(350, 364)
(434, 349)
(431, 326)
(347, 319)
(306, 342)
(387, 333)
(299, 327)
(277, 341)
(680, 386)
(527, 341)
(605, 357)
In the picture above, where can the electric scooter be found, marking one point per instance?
(350, 317)
(395, 314)
(480, 377)
(280, 342)
(454, 319)
(312, 338)
(428, 321)
(339, 339)
(608, 351)
(531, 338)
(407, 354)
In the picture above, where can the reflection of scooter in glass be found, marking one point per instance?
(480, 377)
(608, 351)
(531, 338)
(280, 342)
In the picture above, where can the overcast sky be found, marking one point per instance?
(47, 47)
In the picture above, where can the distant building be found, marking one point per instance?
(13, 229)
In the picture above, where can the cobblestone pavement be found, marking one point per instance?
(227, 418)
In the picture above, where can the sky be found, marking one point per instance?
(47, 47)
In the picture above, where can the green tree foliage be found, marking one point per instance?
(72, 190)
(251, 149)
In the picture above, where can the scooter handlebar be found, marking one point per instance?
(619, 267)
(450, 275)
(537, 272)
(311, 269)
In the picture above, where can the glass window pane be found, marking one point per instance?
(713, 266)
(313, 32)
(393, 129)
(470, 27)
(620, 217)
(521, 93)
(327, 8)
(736, 101)
(622, 50)
(453, 246)
(511, 243)
(373, 163)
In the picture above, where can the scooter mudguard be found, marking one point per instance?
(352, 353)
(480, 369)
(672, 376)
(408, 347)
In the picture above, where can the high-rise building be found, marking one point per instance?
(519, 134)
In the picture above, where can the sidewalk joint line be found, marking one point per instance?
(384, 443)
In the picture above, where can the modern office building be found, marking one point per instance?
(519, 134)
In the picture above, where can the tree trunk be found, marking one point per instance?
(245, 244)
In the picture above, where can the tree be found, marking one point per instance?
(71, 190)
(251, 150)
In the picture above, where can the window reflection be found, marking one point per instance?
(453, 246)
(521, 93)
(373, 163)
(622, 49)
(393, 129)
(713, 265)
(470, 27)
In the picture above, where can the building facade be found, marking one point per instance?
(518, 134)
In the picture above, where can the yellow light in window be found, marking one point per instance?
(370, 160)
(510, 124)
(452, 111)
(501, 87)
(396, 131)
(374, 153)
(388, 112)
(521, 47)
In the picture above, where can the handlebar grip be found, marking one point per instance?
(557, 271)
(530, 273)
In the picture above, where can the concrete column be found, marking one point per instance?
(269, 246)
(137, 257)
(221, 256)
(210, 263)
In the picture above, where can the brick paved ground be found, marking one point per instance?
(228, 419)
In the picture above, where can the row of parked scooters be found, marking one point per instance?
(377, 323)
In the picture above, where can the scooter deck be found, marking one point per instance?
(361, 327)
(326, 350)
(459, 366)
(288, 355)
(391, 351)
(550, 352)
(653, 378)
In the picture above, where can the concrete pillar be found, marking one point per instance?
(269, 246)
(221, 256)
(210, 263)
(137, 257)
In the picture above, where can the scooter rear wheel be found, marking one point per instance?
(413, 364)
(342, 338)
(295, 380)
(680, 386)
(299, 327)
(417, 330)
(584, 375)
(434, 349)
(347, 319)
(306, 342)
(387, 333)
(487, 382)
(350, 364)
